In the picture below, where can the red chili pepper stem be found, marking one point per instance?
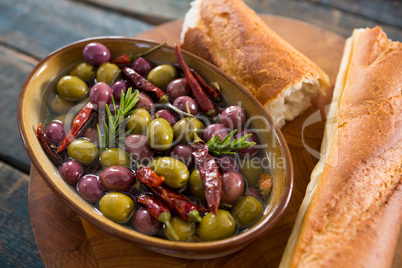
(79, 122)
(177, 110)
(158, 210)
(164, 218)
(194, 216)
(205, 104)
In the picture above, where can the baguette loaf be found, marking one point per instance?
(233, 37)
(352, 211)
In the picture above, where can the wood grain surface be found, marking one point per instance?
(339, 16)
(64, 239)
(16, 238)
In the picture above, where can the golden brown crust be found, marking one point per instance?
(233, 37)
(355, 214)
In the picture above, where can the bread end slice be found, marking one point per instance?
(233, 37)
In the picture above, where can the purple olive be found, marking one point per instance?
(117, 178)
(142, 66)
(145, 223)
(96, 53)
(137, 146)
(71, 171)
(144, 101)
(167, 115)
(180, 103)
(55, 132)
(100, 94)
(178, 87)
(250, 151)
(233, 117)
(91, 133)
(227, 163)
(182, 152)
(215, 130)
(90, 188)
(232, 187)
(116, 88)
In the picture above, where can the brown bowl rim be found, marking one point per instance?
(237, 241)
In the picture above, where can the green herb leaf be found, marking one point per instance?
(114, 125)
(226, 146)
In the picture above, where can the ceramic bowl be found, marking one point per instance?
(58, 63)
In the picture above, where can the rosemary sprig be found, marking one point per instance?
(226, 146)
(114, 125)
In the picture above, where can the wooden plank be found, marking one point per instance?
(58, 242)
(389, 12)
(15, 67)
(325, 17)
(37, 27)
(156, 11)
(340, 21)
(17, 244)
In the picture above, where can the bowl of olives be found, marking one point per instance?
(155, 145)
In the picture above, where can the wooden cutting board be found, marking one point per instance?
(65, 239)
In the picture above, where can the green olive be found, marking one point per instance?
(196, 184)
(116, 206)
(161, 75)
(85, 71)
(251, 170)
(83, 150)
(114, 157)
(175, 172)
(217, 227)
(184, 230)
(72, 88)
(183, 132)
(247, 211)
(139, 120)
(159, 134)
(108, 72)
(61, 106)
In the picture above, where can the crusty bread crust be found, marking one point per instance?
(233, 37)
(352, 212)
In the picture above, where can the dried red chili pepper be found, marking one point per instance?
(123, 60)
(205, 104)
(209, 173)
(78, 123)
(143, 84)
(158, 210)
(55, 158)
(128, 58)
(178, 203)
(210, 90)
(148, 177)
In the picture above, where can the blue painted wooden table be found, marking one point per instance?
(31, 29)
